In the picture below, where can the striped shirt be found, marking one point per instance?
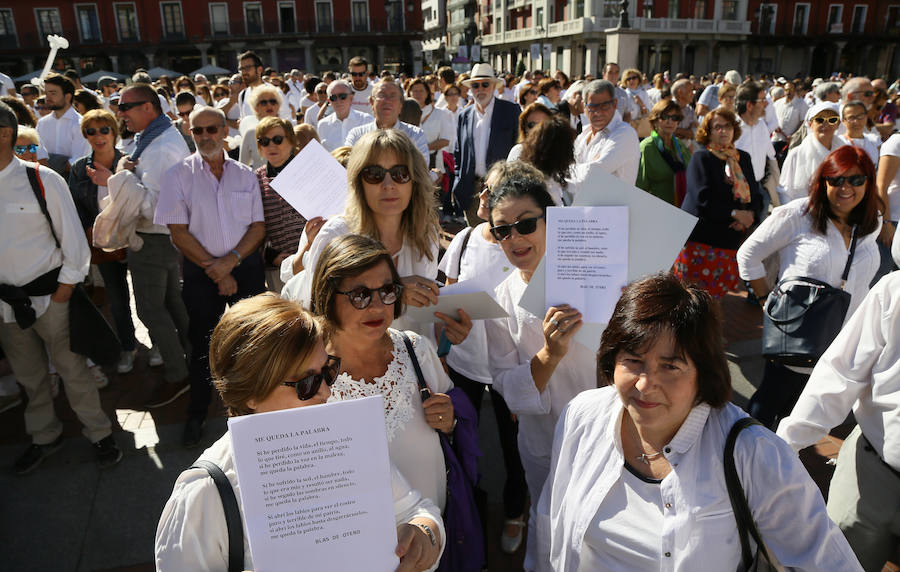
(284, 224)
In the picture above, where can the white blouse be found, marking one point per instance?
(413, 445)
(437, 124)
(698, 529)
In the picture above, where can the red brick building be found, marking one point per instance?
(313, 35)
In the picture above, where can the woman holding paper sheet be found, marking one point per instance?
(534, 361)
(267, 354)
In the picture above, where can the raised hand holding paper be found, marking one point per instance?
(315, 483)
(313, 182)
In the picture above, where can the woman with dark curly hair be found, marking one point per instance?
(550, 146)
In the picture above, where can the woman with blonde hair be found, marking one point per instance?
(265, 101)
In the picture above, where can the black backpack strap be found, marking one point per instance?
(742, 514)
(462, 250)
(846, 272)
(424, 392)
(37, 187)
(233, 519)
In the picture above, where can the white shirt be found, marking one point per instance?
(891, 148)
(361, 101)
(770, 118)
(63, 136)
(482, 136)
(439, 124)
(312, 114)
(859, 371)
(333, 131)
(414, 133)
(616, 148)
(790, 115)
(802, 251)
(709, 97)
(28, 249)
(234, 112)
(699, 530)
(866, 145)
(159, 156)
(192, 535)
(800, 165)
(755, 141)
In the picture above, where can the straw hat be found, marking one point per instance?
(482, 72)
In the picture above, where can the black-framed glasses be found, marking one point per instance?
(634, 77)
(833, 120)
(361, 296)
(123, 107)
(264, 141)
(602, 106)
(523, 227)
(211, 129)
(337, 96)
(358, 74)
(22, 149)
(374, 174)
(854, 180)
(482, 84)
(267, 102)
(307, 387)
(91, 131)
(670, 117)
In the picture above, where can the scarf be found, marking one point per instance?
(151, 132)
(677, 164)
(731, 156)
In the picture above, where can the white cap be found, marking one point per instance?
(820, 107)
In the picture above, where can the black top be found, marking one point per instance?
(84, 191)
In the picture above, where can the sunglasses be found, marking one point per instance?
(264, 141)
(308, 386)
(833, 120)
(482, 84)
(602, 106)
(865, 93)
(635, 78)
(523, 227)
(670, 117)
(211, 129)
(267, 102)
(854, 180)
(91, 131)
(123, 107)
(337, 96)
(361, 297)
(374, 174)
(358, 74)
(184, 86)
(22, 149)
(183, 113)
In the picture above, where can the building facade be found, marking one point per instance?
(183, 35)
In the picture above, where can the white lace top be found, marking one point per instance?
(413, 445)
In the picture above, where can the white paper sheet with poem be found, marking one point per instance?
(314, 183)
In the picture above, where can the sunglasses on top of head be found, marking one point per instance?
(211, 129)
(361, 297)
(374, 174)
(264, 141)
(307, 387)
(91, 131)
(523, 227)
(854, 180)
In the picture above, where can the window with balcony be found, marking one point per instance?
(126, 22)
(859, 19)
(88, 22)
(767, 15)
(287, 17)
(394, 9)
(610, 8)
(361, 16)
(172, 20)
(323, 17)
(835, 19)
(47, 22)
(674, 11)
(253, 21)
(801, 19)
(700, 9)
(218, 18)
(7, 29)
(539, 18)
(579, 8)
(892, 26)
(730, 9)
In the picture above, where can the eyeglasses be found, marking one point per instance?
(211, 129)
(374, 174)
(220, 94)
(267, 102)
(264, 141)
(602, 106)
(337, 96)
(307, 387)
(184, 113)
(22, 149)
(531, 92)
(358, 74)
(523, 227)
(722, 127)
(833, 120)
(91, 131)
(481, 84)
(184, 86)
(123, 107)
(670, 117)
(868, 93)
(634, 77)
(854, 180)
(248, 67)
(361, 297)
(320, 92)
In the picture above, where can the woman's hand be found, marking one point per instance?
(415, 549)
(560, 325)
(99, 174)
(419, 292)
(312, 228)
(456, 330)
(742, 220)
(63, 293)
(439, 412)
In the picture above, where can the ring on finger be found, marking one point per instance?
(555, 322)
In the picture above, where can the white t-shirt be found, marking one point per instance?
(361, 99)
(891, 147)
(484, 262)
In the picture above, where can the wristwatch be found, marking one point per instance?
(238, 255)
(427, 530)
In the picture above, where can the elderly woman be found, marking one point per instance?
(438, 124)
(812, 236)
(27, 144)
(532, 115)
(664, 158)
(637, 480)
(87, 183)
(548, 92)
(266, 102)
(267, 354)
(822, 121)
(724, 194)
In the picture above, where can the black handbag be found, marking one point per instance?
(802, 316)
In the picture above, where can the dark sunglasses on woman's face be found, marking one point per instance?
(91, 131)
(22, 149)
(337, 96)
(676, 118)
(211, 129)
(833, 120)
(308, 387)
(267, 102)
(854, 180)
(264, 141)
(360, 297)
(374, 174)
(524, 226)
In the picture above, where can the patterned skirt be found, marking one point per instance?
(713, 269)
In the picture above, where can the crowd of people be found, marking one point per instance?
(161, 191)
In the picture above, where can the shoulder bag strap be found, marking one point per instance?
(232, 514)
(424, 392)
(849, 258)
(462, 251)
(739, 505)
(37, 187)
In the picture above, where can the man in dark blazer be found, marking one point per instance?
(486, 132)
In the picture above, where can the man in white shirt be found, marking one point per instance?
(683, 94)
(41, 261)
(60, 131)
(750, 104)
(790, 111)
(625, 106)
(334, 128)
(321, 108)
(859, 371)
(608, 140)
(251, 68)
(362, 89)
(386, 102)
(6, 83)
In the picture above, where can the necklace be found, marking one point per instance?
(644, 457)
